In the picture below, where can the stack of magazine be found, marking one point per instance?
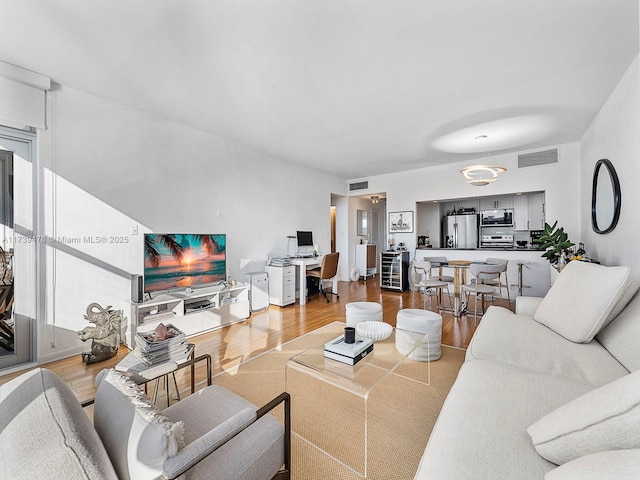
(151, 350)
(280, 261)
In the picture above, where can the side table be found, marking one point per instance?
(142, 373)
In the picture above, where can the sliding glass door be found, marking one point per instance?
(17, 248)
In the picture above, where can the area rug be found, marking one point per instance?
(401, 414)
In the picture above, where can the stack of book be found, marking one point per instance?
(349, 353)
(164, 344)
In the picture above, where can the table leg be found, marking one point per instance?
(457, 282)
(303, 284)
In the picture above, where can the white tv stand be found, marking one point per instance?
(202, 310)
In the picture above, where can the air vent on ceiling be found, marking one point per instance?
(359, 186)
(544, 157)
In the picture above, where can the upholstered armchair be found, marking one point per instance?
(212, 433)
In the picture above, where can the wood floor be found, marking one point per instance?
(267, 329)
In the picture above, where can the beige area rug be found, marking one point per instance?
(330, 437)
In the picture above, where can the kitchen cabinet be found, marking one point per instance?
(528, 211)
(500, 201)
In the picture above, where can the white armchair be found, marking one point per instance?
(210, 434)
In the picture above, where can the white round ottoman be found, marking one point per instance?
(362, 312)
(414, 323)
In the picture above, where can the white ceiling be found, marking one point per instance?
(356, 88)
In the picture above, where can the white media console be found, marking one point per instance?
(196, 312)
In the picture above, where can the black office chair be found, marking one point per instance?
(326, 272)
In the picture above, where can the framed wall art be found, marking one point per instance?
(401, 222)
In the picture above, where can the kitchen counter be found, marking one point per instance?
(484, 249)
(536, 272)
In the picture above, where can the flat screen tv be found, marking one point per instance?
(179, 261)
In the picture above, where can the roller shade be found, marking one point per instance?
(22, 97)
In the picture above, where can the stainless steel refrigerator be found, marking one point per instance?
(460, 231)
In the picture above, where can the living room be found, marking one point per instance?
(106, 167)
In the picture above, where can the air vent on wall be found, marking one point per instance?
(359, 186)
(544, 157)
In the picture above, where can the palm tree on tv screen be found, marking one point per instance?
(211, 243)
(169, 241)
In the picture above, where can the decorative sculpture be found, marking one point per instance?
(105, 335)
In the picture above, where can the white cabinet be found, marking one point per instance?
(528, 211)
(282, 285)
(204, 309)
(495, 202)
(258, 291)
(366, 259)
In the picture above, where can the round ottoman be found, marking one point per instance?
(411, 325)
(363, 311)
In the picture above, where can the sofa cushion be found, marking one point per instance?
(137, 437)
(481, 430)
(609, 465)
(607, 418)
(618, 337)
(521, 341)
(45, 433)
(585, 298)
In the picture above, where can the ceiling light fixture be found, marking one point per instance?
(480, 175)
(481, 138)
(374, 198)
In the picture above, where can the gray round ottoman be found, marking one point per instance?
(362, 312)
(414, 323)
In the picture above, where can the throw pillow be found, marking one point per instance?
(610, 465)
(607, 418)
(585, 298)
(137, 437)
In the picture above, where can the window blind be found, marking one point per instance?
(22, 97)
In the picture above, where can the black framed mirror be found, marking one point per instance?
(606, 198)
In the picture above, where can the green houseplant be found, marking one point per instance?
(553, 240)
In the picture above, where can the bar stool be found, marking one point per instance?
(426, 284)
(480, 272)
(498, 280)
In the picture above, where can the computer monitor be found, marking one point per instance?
(305, 239)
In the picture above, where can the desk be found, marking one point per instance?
(303, 264)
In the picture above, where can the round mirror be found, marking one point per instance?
(605, 197)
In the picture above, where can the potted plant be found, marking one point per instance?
(553, 240)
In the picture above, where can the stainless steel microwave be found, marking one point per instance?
(501, 216)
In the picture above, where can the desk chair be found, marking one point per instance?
(326, 272)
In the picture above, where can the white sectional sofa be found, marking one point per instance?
(551, 391)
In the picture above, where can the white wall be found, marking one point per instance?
(198, 183)
(614, 135)
(561, 182)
